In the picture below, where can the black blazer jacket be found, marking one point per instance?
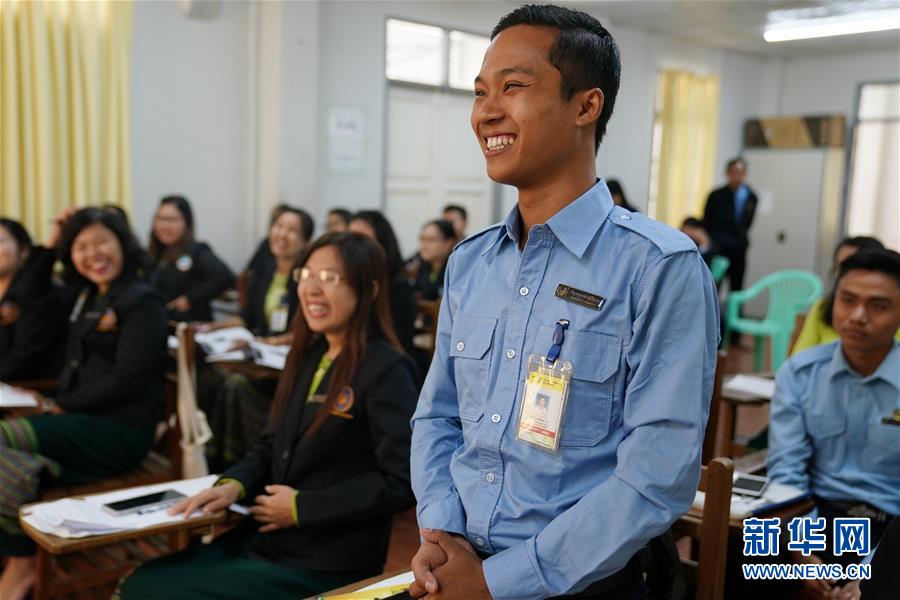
(198, 274)
(254, 310)
(352, 474)
(728, 235)
(32, 322)
(115, 357)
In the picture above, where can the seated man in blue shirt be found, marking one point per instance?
(608, 318)
(826, 432)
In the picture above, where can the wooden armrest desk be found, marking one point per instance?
(355, 587)
(736, 526)
(106, 567)
(732, 401)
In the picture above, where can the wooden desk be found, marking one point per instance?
(249, 369)
(736, 526)
(732, 400)
(117, 552)
(354, 587)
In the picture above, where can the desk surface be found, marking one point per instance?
(786, 513)
(58, 545)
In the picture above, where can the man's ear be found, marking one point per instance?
(375, 289)
(590, 105)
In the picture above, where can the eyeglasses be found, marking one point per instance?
(324, 277)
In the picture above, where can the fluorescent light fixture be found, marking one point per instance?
(816, 28)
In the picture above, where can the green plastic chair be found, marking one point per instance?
(791, 292)
(718, 266)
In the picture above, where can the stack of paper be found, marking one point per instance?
(760, 387)
(220, 345)
(269, 355)
(11, 397)
(775, 496)
(75, 518)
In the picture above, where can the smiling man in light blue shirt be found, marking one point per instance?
(502, 518)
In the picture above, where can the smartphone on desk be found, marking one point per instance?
(142, 505)
(749, 485)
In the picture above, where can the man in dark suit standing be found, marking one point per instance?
(728, 215)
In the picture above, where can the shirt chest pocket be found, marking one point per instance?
(882, 452)
(470, 348)
(827, 432)
(595, 362)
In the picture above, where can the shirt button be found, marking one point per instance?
(510, 353)
(523, 291)
(495, 418)
(285, 454)
(489, 478)
(460, 346)
(479, 541)
(626, 217)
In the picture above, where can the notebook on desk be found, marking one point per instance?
(776, 496)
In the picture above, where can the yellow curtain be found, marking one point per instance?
(688, 122)
(64, 97)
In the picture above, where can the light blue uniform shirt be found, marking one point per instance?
(825, 429)
(633, 427)
(740, 201)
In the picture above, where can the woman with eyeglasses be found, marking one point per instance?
(102, 420)
(324, 480)
(32, 320)
(186, 272)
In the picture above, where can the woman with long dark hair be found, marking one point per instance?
(401, 295)
(333, 466)
(32, 320)
(102, 420)
(186, 272)
(435, 244)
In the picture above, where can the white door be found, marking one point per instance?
(433, 160)
(796, 216)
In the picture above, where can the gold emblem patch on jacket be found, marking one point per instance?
(9, 313)
(344, 403)
(107, 321)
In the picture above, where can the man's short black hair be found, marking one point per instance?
(692, 222)
(883, 261)
(860, 242)
(734, 161)
(457, 209)
(584, 53)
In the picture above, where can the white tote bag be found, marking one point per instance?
(195, 431)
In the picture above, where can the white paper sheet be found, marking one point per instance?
(269, 355)
(75, 518)
(401, 579)
(222, 340)
(761, 387)
(11, 397)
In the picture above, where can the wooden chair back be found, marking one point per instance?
(429, 310)
(709, 532)
(799, 320)
(241, 283)
(710, 449)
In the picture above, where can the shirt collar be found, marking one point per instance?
(888, 371)
(575, 225)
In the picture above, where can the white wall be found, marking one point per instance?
(189, 119)
(828, 84)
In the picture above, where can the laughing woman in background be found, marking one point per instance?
(333, 466)
(102, 421)
(186, 272)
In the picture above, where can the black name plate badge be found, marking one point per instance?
(580, 297)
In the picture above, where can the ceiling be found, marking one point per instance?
(739, 24)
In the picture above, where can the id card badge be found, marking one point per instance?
(543, 402)
(279, 320)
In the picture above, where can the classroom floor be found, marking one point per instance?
(405, 538)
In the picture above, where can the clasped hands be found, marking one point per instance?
(446, 566)
(274, 509)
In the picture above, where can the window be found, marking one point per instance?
(432, 56)
(874, 190)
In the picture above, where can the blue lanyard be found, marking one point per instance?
(559, 335)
